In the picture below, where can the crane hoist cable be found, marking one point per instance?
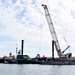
(68, 46)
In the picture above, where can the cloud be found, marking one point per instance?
(25, 19)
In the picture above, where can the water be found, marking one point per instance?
(18, 69)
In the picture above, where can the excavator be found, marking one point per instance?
(54, 36)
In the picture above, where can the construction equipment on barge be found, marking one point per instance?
(63, 59)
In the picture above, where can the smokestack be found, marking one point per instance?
(22, 46)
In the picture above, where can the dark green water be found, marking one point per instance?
(16, 69)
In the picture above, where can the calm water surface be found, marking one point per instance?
(17, 69)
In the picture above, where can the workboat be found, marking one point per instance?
(25, 59)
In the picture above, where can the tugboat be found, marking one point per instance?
(10, 60)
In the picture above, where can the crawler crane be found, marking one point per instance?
(53, 33)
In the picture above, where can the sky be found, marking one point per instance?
(25, 20)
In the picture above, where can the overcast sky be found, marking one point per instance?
(25, 20)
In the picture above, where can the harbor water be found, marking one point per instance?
(29, 69)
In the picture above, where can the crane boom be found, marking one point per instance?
(52, 30)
